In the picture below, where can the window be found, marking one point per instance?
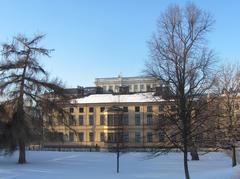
(137, 137)
(149, 120)
(65, 137)
(71, 137)
(149, 108)
(60, 136)
(149, 137)
(125, 137)
(102, 120)
(71, 110)
(130, 87)
(148, 88)
(161, 136)
(137, 120)
(110, 119)
(161, 108)
(81, 120)
(91, 136)
(141, 87)
(81, 110)
(119, 120)
(135, 87)
(72, 121)
(91, 109)
(102, 137)
(125, 119)
(137, 109)
(111, 137)
(102, 109)
(51, 136)
(119, 137)
(81, 136)
(110, 88)
(104, 88)
(125, 109)
(91, 120)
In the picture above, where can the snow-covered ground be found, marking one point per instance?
(98, 165)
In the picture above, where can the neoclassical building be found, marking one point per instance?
(101, 117)
(93, 123)
(134, 84)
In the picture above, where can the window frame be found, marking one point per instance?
(71, 109)
(149, 108)
(71, 137)
(149, 119)
(137, 120)
(91, 109)
(91, 136)
(125, 119)
(137, 137)
(91, 119)
(102, 109)
(137, 109)
(81, 120)
(149, 137)
(102, 120)
(79, 136)
(102, 137)
(81, 109)
(125, 108)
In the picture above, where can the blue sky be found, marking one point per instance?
(105, 38)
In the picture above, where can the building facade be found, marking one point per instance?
(91, 123)
(138, 117)
(134, 84)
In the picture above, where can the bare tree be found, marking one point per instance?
(179, 57)
(23, 85)
(228, 85)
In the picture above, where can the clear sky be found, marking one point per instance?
(105, 38)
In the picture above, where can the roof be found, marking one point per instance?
(118, 98)
(120, 79)
(126, 78)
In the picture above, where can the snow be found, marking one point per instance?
(122, 98)
(102, 165)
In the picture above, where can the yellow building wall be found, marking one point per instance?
(131, 128)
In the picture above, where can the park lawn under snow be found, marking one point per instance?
(95, 165)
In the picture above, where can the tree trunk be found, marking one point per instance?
(187, 176)
(20, 117)
(118, 155)
(234, 158)
(194, 154)
(22, 152)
